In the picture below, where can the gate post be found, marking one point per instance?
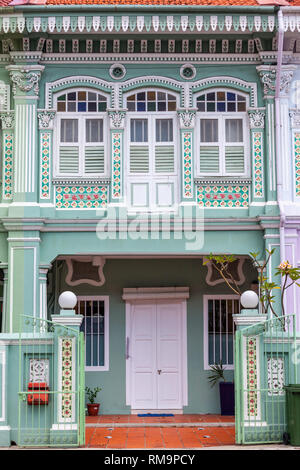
(247, 366)
(67, 396)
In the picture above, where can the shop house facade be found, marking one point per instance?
(135, 141)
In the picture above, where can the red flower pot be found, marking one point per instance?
(93, 409)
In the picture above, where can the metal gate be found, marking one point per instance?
(51, 409)
(265, 361)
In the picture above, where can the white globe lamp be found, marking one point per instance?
(67, 300)
(249, 299)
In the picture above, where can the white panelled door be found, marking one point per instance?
(156, 355)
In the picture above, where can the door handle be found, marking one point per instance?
(159, 371)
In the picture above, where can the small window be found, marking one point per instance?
(81, 136)
(95, 329)
(219, 329)
(151, 101)
(222, 127)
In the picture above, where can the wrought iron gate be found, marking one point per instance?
(265, 361)
(51, 385)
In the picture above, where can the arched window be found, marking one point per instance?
(223, 133)
(81, 135)
(152, 136)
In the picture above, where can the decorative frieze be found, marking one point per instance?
(81, 197)
(223, 195)
(67, 398)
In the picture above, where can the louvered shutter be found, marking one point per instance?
(68, 159)
(234, 159)
(209, 159)
(139, 159)
(94, 159)
(164, 159)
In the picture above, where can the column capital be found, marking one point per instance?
(45, 118)
(257, 118)
(186, 117)
(25, 79)
(295, 119)
(117, 118)
(7, 120)
(267, 75)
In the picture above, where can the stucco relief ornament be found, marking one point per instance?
(285, 81)
(7, 120)
(46, 119)
(257, 119)
(25, 80)
(117, 119)
(295, 117)
(187, 118)
(268, 80)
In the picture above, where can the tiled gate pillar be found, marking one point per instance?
(67, 386)
(247, 370)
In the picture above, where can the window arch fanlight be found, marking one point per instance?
(223, 133)
(151, 100)
(221, 101)
(81, 133)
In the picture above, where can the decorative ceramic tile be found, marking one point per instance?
(275, 368)
(258, 163)
(66, 378)
(187, 164)
(219, 195)
(297, 162)
(251, 377)
(45, 150)
(116, 165)
(81, 197)
(8, 165)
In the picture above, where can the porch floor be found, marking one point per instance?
(176, 432)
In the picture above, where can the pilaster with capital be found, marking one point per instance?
(25, 88)
(187, 119)
(117, 122)
(45, 121)
(257, 125)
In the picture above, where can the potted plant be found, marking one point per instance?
(226, 389)
(93, 408)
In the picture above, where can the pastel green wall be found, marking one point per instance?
(155, 273)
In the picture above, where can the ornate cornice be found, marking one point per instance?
(117, 118)
(7, 120)
(25, 79)
(46, 118)
(257, 118)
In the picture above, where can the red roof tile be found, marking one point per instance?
(4, 3)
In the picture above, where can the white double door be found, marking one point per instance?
(156, 355)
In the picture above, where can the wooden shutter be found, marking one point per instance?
(209, 159)
(139, 159)
(234, 159)
(94, 159)
(68, 159)
(164, 158)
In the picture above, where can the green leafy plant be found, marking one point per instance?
(217, 371)
(92, 393)
(222, 264)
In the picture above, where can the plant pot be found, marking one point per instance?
(227, 398)
(93, 409)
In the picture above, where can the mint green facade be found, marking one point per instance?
(50, 221)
